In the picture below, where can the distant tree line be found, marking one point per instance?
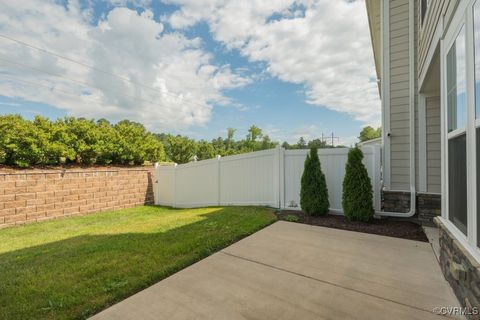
(72, 140)
(182, 149)
(314, 143)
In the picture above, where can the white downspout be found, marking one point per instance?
(413, 198)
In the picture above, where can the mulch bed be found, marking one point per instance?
(390, 227)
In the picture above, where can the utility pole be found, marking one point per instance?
(333, 139)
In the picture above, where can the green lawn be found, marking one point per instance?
(73, 268)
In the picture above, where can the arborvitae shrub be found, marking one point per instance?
(314, 193)
(357, 198)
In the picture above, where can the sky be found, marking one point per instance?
(193, 67)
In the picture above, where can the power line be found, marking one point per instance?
(37, 84)
(72, 80)
(94, 68)
(45, 86)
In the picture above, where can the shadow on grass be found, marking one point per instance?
(77, 277)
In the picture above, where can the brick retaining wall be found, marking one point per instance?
(35, 195)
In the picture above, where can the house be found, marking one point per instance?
(427, 58)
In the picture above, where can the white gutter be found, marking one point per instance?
(413, 198)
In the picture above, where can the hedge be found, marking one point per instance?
(27, 143)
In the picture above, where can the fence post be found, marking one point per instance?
(281, 175)
(277, 184)
(219, 158)
(175, 185)
(156, 185)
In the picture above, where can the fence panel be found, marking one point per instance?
(249, 179)
(270, 177)
(165, 179)
(196, 184)
(333, 166)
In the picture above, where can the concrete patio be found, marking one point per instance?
(289, 270)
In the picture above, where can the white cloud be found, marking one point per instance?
(308, 132)
(348, 141)
(179, 82)
(322, 44)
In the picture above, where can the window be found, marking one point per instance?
(476, 32)
(456, 84)
(478, 186)
(457, 181)
(456, 124)
(461, 125)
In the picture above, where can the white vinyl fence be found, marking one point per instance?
(268, 178)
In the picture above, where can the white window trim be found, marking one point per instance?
(455, 133)
(470, 126)
(463, 17)
(456, 26)
(460, 237)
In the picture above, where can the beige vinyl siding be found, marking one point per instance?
(426, 31)
(433, 144)
(399, 95)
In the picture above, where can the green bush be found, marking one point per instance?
(314, 193)
(357, 198)
(180, 149)
(21, 142)
(75, 140)
(291, 218)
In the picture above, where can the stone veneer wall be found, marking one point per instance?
(460, 269)
(429, 205)
(35, 195)
(395, 201)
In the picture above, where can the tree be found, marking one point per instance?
(317, 143)
(205, 150)
(218, 145)
(254, 133)
(21, 142)
(230, 133)
(229, 140)
(45, 142)
(267, 143)
(357, 197)
(313, 193)
(286, 145)
(301, 144)
(54, 134)
(138, 144)
(180, 149)
(369, 133)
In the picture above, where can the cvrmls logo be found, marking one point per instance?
(450, 311)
